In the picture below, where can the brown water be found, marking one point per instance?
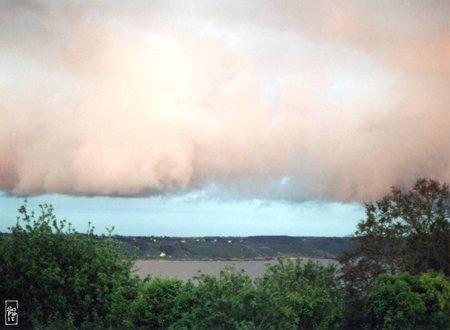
(185, 270)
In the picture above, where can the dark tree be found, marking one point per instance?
(403, 232)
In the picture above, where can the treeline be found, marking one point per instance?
(253, 247)
(397, 277)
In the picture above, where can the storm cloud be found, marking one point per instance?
(288, 99)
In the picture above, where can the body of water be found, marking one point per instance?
(186, 269)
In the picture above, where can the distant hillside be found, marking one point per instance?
(253, 247)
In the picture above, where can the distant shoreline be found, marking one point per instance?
(252, 248)
(268, 258)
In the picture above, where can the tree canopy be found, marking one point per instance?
(403, 231)
(405, 301)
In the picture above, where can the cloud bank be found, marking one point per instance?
(293, 100)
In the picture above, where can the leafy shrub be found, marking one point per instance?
(223, 302)
(404, 301)
(299, 295)
(154, 306)
(62, 277)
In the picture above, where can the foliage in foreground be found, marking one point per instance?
(405, 231)
(61, 277)
(290, 295)
(404, 301)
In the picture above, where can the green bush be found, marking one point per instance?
(404, 301)
(299, 295)
(223, 302)
(154, 307)
(63, 278)
(291, 295)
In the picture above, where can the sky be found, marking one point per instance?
(196, 118)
